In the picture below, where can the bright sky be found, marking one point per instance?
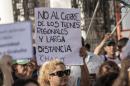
(60, 3)
(6, 11)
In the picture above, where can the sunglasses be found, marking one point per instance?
(61, 73)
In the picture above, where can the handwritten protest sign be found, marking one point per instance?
(58, 35)
(16, 40)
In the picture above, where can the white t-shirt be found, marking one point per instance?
(93, 62)
(116, 60)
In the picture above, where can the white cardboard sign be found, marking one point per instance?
(16, 40)
(58, 35)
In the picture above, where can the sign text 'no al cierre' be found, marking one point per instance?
(58, 35)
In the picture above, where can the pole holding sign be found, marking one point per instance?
(58, 35)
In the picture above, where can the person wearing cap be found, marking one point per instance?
(109, 46)
(21, 69)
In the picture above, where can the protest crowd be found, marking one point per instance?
(59, 45)
(106, 69)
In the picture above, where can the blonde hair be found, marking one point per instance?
(46, 69)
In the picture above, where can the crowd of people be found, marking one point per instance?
(108, 65)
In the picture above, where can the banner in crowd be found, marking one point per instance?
(16, 40)
(58, 35)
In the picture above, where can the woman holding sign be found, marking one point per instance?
(53, 73)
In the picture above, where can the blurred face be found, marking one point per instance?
(24, 71)
(30, 70)
(57, 77)
(20, 69)
(110, 50)
(106, 69)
